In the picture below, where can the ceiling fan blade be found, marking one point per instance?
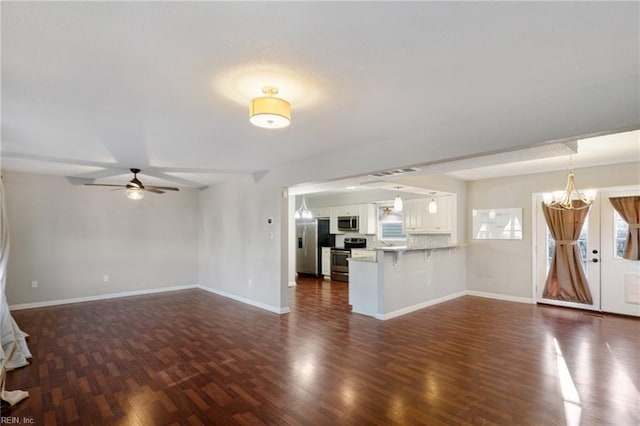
(152, 189)
(136, 185)
(105, 184)
(164, 188)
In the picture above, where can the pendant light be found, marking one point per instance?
(303, 212)
(397, 203)
(433, 206)
(268, 111)
(565, 199)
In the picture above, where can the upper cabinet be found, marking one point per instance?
(366, 213)
(441, 221)
(416, 218)
(333, 220)
(324, 212)
(368, 218)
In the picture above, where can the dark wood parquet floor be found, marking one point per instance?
(194, 358)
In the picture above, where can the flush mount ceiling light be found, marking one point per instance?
(268, 111)
(397, 203)
(566, 199)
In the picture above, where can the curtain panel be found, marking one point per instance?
(566, 279)
(629, 209)
(14, 352)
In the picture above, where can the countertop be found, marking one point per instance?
(363, 259)
(411, 247)
(400, 249)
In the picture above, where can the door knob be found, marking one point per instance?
(594, 260)
(594, 251)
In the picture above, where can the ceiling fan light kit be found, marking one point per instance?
(134, 193)
(268, 111)
(135, 189)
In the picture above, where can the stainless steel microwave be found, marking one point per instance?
(348, 223)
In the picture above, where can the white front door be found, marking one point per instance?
(614, 282)
(620, 277)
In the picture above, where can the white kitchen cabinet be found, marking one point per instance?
(368, 221)
(326, 262)
(333, 219)
(440, 222)
(416, 218)
(321, 212)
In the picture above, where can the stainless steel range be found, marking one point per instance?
(339, 263)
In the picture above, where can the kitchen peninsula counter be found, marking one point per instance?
(402, 279)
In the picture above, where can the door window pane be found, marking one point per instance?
(621, 230)
(582, 245)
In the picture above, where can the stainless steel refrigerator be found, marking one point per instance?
(311, 236)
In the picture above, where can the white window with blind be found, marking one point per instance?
(390, 224)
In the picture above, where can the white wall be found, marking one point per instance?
(67, 237)
(504, 267)
(419, 278)
(239, 250)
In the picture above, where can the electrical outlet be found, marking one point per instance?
(34, 284)
(105, 278)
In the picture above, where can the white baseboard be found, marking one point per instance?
(148, 291)
(292, 284)
(418, 306)
(251, 302)
(500, 297)
(99, 297)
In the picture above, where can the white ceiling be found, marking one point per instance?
(90, 89)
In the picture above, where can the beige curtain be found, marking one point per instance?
(629, 209)
(14, 352)
(566, 279)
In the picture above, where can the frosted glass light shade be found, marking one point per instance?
(433, 206)
(397, 203)
(134, 193)
(269, 112)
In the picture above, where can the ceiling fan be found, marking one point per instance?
(135, 188)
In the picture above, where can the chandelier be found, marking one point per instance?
(303, 212)
(571, 198)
